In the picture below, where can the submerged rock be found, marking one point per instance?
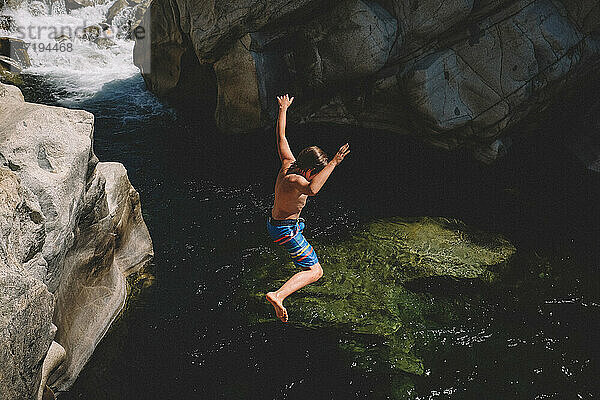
(72, 231)
(364, 290)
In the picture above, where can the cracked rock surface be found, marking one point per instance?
(457, 73)
(71, 230)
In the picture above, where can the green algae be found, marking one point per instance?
(425, 247)
(363, 294)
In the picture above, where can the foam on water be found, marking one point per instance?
(82, 72)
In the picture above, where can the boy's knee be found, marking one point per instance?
(317, 271)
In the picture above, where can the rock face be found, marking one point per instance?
(71, 232)
(26, 328)
(366, 292)
(459, 73)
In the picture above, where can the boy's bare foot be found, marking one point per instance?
(280, 310)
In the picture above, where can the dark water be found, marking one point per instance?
(205, 196)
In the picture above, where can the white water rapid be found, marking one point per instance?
(80, 68)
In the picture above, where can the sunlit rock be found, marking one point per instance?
(72, 231)
(54, 357)
(26, 329)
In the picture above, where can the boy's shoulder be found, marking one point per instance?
(285, 166)
(291, 178)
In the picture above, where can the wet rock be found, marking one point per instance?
(10, 75)
(364, 291)
(104, 43)
(63, 38)
(7, 22)
(75, 4)
(99, 34)
(91, 32)
(72, 231)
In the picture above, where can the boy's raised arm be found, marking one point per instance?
(283, 148)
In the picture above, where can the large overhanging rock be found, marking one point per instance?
(71, 231)
(457, 73)
(366, 293)
(204, 31)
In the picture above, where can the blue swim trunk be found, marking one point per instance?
(288, 233)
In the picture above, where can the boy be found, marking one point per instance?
(297, 179)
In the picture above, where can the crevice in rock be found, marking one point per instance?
(43, 161)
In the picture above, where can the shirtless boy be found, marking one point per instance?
(297, 179)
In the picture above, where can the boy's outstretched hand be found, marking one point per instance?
(342, 152)
(284, 101)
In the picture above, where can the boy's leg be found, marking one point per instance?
(298, 281)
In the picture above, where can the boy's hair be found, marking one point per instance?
(310, 158)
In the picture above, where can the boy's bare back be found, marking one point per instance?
(289, 201)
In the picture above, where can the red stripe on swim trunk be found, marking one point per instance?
(288, 238)
(283, 237)
(307, 254)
